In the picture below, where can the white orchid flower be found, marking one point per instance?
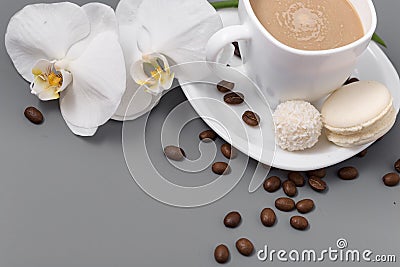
(156, 34)
(72, 53)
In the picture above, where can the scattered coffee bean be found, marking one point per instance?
(317, 184)
(244, 246)
(299, 222)
(362, 153)
(268, 217)
(237, 50)
(305, 205)
(391, 179)
(208, 136)
(320, 173)
(351, 80)
(220, 168)
(228, 151)
(33, 115)
(234, 98)
(348, 173)
(285, 204)
(174, 153)
(251, 118)
(289, 188)
(296, 178)
(397, 165)
(221, 254)
(272, 184)
(232, 219)
(225, 86)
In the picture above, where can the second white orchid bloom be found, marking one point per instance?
(157, 34)
(72, 53)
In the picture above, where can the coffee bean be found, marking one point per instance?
(207, 136)
(299, 222)
(391, 179)
(348, 173)
(268, 217)
(228, 151)
(225, 86)
(289, 188)
(305, 205)
(320, 173)
(351, 80)
(362, 153)
(221, 254)
(296, 178)
(317, 184)
(234, 98)
(285, 204)
(272, 184)
(220, 168)
(237, 50)
(397, 165)
(244, 246)
(251, 118)
(33, 115)
(232, 219)
(174, 153)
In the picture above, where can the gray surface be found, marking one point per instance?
(69, 201)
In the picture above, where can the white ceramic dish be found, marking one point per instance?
(373, 65)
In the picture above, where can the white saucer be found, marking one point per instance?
(373, 65)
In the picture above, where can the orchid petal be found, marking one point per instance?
(102, 19)
(81, 131)
(44, 31)
(99, 80)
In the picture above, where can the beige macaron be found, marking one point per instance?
(358, 113)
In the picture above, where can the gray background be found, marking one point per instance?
(70, 201)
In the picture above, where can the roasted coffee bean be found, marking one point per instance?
(285, 204)
(34, 115)
(232, 219)
(272, 184)
(299, 222)
(305, 205)
(228, 151)
(225, 86)
(351, 80)
(289, 188)
(362, 153)
(208, 136)
(397, 165)
(317, 184)
(391, 179)
(268, 217)
(348, 173)
(220, 168)
(174, 153)
(296, 178)
(237, 50)
(320, 173)
(244, 246)
(251, 118)
(234, 98)
(221, 254)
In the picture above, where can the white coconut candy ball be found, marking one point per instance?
(298, 125)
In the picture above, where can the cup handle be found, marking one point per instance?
(223, 38)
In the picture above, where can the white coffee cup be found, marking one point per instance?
(284, 73)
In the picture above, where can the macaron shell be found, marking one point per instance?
(367, 135)
(356, 106)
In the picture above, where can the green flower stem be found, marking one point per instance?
(225, 4)
(235, 3)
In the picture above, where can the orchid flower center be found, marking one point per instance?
(48, 82)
